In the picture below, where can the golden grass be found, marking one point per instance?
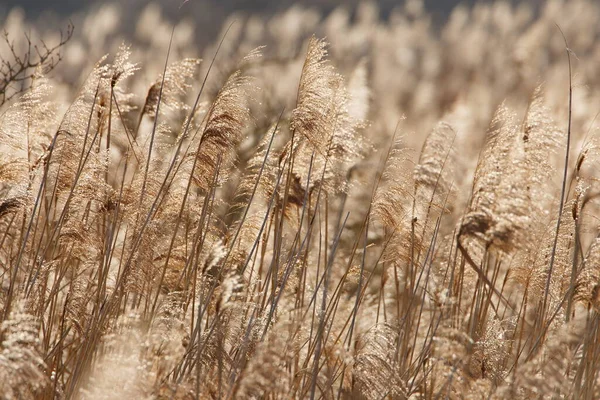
(257, 225)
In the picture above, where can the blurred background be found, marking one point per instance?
(210, 14)
(224, 7)
(421, 61)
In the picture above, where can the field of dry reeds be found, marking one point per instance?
(336, 206)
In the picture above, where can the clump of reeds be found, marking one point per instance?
(264, 230)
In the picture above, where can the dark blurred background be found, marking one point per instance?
(213, 12)
(35, 8)
(208, 15)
